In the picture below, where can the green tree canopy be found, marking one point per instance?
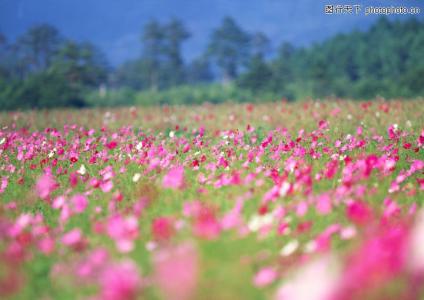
(229, 47)
(39, 45)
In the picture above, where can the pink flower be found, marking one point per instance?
(392, 132)
(301, 208)
(73, 238)
(359, 212)
(46, 245)
(80, 203)
(45, 185)
(3, 186)
(206, 225)
(324, 204)
(323, 124)
(123, 231)
(174, 179)
(106, 186)
(316, 280)
(176, 271)
(162, 228)
(120, 282)
(380, 259)
(111, 145)
(265, 277)
(231, 219)
(93, 264)
(391, 208)
(331, 169)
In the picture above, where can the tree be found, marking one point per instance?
(75, 68)
(82, 64)
(261, 45)
(229, 47)
(3, 57)
(153, 48)
(175, 34)
(282, 68)
(258, 75)
(47, 90)
(161, 61)
(39, 45)
(131, 74)
(199, 71)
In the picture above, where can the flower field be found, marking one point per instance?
(308, 200)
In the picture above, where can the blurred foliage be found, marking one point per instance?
(44, 69)
(212, 93)
(229, 47)
(184, 94)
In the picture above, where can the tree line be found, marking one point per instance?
(42, 68)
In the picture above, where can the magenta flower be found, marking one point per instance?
(162, 228)
(359, 212)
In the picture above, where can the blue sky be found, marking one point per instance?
(115, 25)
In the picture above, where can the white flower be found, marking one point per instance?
(416, 249)
(171, 134)
(139, 146)
(136, 177)
(285, 187)
(82, 170)
(347, 233)
(256, 222)
(310, 247)
(290, 248)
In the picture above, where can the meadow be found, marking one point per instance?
(303, 200)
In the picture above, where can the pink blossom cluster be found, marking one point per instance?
(126, 213)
